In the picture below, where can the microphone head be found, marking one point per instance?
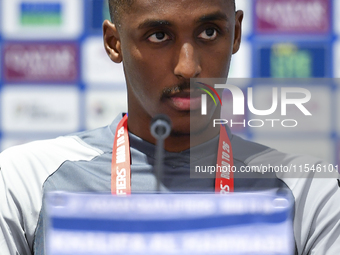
(160, 126)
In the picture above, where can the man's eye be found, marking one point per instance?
(158, 37)
(208, 34)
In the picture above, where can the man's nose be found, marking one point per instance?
(188, 65)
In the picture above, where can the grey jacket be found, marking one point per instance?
(82, 163)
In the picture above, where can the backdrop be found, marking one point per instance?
(56, 78)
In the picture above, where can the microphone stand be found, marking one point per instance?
(160, 129)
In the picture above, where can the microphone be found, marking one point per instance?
(160, 129)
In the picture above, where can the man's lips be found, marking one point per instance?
(185, 100)
(186, 103)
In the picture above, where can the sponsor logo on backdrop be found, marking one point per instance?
(288, 61)
(50, 62)
(296, 16)
(291, 60)
(40, 14)
(42, 19)
(40, 109)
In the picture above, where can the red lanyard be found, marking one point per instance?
(224, 182)
(121, 163)
(120, 166)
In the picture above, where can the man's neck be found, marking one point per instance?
(177, 141)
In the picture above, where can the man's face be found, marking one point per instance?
(165, 43)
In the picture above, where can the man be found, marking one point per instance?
(167, 50)
(162, 44)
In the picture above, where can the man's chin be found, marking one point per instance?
(191, 124)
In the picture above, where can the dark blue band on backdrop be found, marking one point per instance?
(108, 225)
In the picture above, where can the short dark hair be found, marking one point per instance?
(117, 6)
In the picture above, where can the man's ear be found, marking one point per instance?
(238, 31)
(112, 42)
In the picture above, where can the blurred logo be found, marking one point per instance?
(41, 62)
(35, 109)
(287, 61)
(40, 14)
(298, 16)
(293, 60)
